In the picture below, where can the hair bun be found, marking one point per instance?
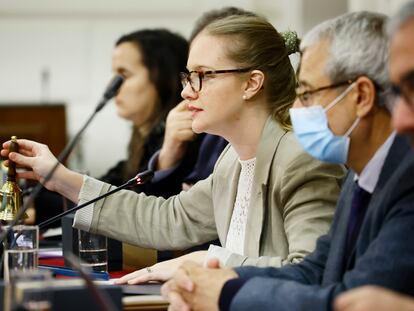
(292, 41)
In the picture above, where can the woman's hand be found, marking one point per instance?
(33, 156)
(38, 159)
(178, 133)
(161, 271)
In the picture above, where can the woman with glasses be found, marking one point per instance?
(267, 200)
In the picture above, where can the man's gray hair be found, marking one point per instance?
(358, 47)
(404, 14)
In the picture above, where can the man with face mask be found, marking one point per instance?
(341, 116)
(401, 69)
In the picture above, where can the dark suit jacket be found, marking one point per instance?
(383, 255)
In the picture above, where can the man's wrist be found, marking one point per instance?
(228, 292)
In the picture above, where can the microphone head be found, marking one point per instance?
(144, 177)
(113, 87)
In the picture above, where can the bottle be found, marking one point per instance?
(10, 194)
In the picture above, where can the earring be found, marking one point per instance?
(244, 97)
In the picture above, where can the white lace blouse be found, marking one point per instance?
(237, 229)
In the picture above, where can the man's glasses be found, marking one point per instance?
(405, 89)
(195, 77)
(306, 96)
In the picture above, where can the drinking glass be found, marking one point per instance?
(21, 249)
(29, 290)
(93, 252)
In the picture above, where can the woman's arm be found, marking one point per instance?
(179, 222)
(162, 271)
(38, 159)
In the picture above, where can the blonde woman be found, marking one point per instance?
(267, 200)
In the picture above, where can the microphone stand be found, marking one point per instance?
(102, 299)
(139, 179)
(110, 92)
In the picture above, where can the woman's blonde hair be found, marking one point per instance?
(256, 44)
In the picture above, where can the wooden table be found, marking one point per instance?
(144, 302)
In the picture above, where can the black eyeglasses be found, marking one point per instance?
(405, 89)
(306, 96)
(195, 77)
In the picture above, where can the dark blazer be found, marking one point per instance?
(211, 147)
(383, 255)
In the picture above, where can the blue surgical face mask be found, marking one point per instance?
(310, 125)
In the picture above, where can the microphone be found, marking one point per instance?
(139, 179)
(110, 92)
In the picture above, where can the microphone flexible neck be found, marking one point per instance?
(139, 179)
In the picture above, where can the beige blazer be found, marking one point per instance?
(292, 203)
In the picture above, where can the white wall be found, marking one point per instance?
(71, 43)
(382, 6)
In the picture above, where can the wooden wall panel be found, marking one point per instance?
(42, 123)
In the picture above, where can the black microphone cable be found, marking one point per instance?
(110, 92)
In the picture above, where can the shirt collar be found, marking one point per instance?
(370, 174)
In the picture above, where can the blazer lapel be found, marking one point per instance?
(395, 155)
(336, 260)
(227, 183)
(398, 150)
(271, 137)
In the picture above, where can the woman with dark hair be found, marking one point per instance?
(150, 62)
